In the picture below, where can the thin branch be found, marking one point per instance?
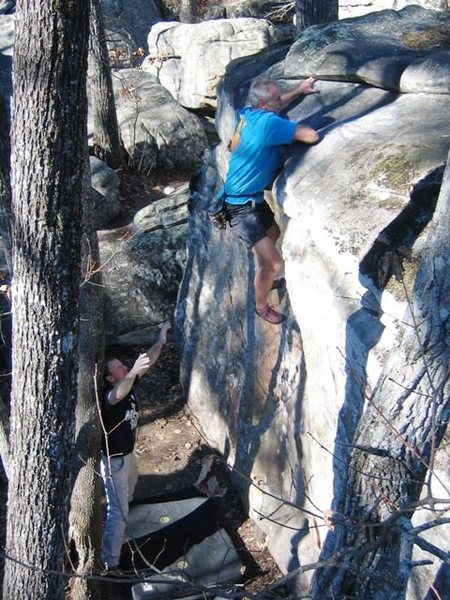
(431, 524)
(432, 549)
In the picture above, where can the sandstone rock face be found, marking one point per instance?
(156, 131)
(143, 266)
(189, 60)
(385, 49)
(283, 403)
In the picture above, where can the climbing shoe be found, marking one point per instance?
(113, 571)
(270, 315)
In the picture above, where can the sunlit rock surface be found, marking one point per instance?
(189, 60)
(156, 131)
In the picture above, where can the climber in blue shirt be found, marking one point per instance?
(256, 155)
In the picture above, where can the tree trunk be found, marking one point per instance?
(188, 11)
(4, 435)
(314, 12)
(106, 140)
(85, 513)
(5, 183)
(405, 420)
(5, 376)
(5, 233)
(48, 141)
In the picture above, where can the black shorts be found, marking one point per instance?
(249, 222)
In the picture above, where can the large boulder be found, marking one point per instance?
(385, 49)
(283, 403)
(156, 131)
(189, 60)
(143, 266)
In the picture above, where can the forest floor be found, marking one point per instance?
(170, 447)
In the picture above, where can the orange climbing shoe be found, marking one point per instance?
(270, 315)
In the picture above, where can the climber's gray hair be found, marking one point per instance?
(260, 91)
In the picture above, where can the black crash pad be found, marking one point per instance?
(212, 562)
(159, 532)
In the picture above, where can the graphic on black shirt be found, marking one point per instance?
(120, 422)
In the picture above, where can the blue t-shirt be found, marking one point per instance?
(256, 159)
